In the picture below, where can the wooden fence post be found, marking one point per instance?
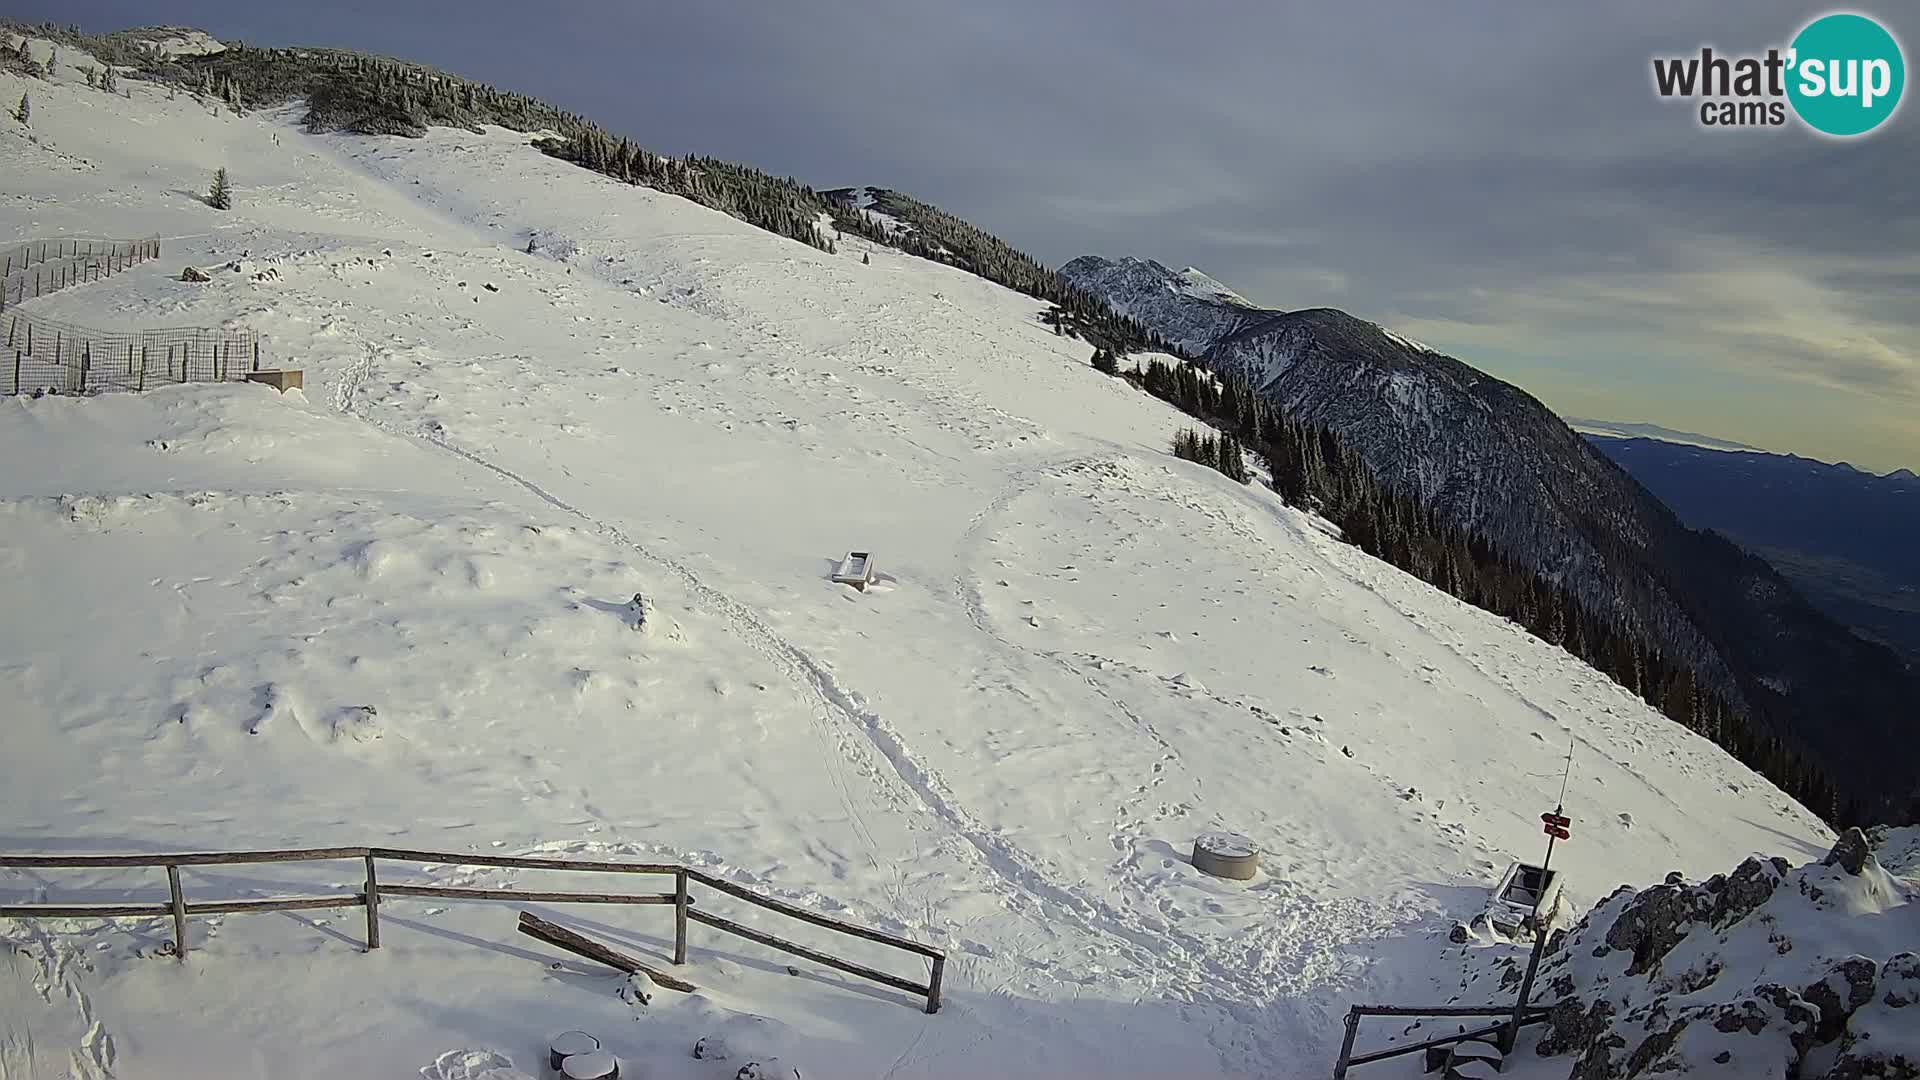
(933, 984)
(141, 383)
(373, 907)
(16, 371)
(680, 917)
(179, 912)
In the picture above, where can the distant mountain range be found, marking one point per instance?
(1625, 430)
(1486, 456)
(1846, 538)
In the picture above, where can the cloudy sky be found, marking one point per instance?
(1497, 180)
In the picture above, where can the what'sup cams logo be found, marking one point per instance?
(1842, 76)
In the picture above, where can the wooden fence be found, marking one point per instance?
(33, 268)
(681, 899)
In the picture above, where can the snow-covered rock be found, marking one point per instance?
(1769, 971)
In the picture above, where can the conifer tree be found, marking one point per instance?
(1231, 463)
(23, 112)
(220, 196)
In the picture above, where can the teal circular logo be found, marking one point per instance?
(1846, 74)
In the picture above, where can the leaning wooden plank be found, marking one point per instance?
(560, 937)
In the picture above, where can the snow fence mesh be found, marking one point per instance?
(48, 355)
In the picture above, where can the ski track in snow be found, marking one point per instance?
(1245, 978)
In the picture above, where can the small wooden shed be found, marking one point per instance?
(856, 569)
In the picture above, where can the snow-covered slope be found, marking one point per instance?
(1488, 458)
(392, 610)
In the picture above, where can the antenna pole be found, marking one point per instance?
(1512, 1032)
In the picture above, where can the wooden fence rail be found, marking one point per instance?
(178, 907)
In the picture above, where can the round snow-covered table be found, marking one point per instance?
(1227, 855)
(566, 1045)
(598, 1065)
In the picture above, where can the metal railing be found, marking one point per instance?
(178, 907)
(1532, 1014)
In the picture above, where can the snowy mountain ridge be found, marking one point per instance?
(394, 608)
(1490, 458)
(1189, 311)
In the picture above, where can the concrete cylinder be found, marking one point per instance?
(1226, 855)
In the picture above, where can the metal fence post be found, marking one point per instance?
(1346, 1046)
(179, 912)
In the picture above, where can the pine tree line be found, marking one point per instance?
(1219, 451)
(350, 91)
(1311, 468)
